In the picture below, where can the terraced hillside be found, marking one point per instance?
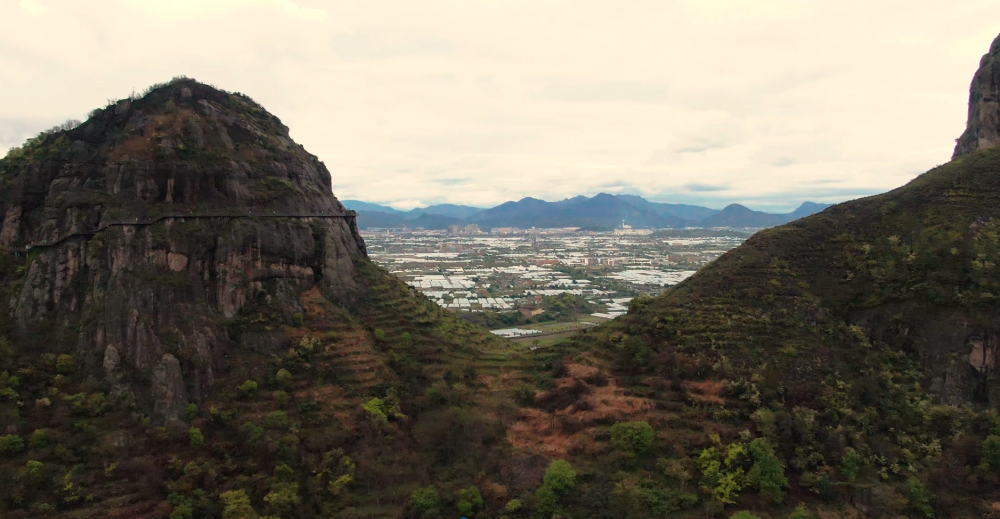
(845, 362)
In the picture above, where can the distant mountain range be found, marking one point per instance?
(600, 212)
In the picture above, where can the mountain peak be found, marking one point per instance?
(983, 125)
(189, 183)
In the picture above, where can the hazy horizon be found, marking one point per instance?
(343, 199)
(704, 102)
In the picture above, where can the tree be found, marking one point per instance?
(276, 420)
(191, 412)
(283, 377)
(197, 438)
(559, 479)
(424, 499)
(39, 439)
(632, 437)
(11, 444)
(546, 501)
(767, 474)
(35, 470)
(723, 476)
(850, 464)
(919, 497)
(236, 505)
(560, 476)
(65, 364)
(743, 514)
(469, 500)
(380, 334)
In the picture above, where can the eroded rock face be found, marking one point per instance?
(169, 396)
(983, 127)
(158, 220)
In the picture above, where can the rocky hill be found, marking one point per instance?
(842, 365)
(190, 327)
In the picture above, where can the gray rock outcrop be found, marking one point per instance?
(158, 221)
(983, 127)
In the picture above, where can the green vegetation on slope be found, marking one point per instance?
(353, 412)
(844, 360)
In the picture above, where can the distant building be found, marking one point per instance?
(683, 258)
(529, 311)
(627, 230)
(455, 229)
(471, 228)
(543, 262)
(502, 230)
(515, 332)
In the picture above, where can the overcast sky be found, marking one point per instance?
(413, 102)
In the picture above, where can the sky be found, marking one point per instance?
(415, 102)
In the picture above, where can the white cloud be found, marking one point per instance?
(33, 8)
(479, 102)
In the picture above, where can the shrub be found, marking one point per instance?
(298, 319)
(743, 514)
(991, 453)
(65, 364)
(35, 470)
(247, 388)
(524, 394)
(800, 512)
(560, 476)
(280, 397)
(276, 420)
(255, 433)
(283, 377)
(39, 439)
(182, 511)
(380, 334)
(339, 486)
(513, 506)
(11, 444)
(380, 409)
(191, 412)
(424, 499)
(632, 437)
(197, 438)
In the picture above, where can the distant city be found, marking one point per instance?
(513, 278)
(537, 271)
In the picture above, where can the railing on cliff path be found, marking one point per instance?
(137, 223)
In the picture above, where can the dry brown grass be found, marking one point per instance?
(134, 148)
(708, 391)
(571, 428)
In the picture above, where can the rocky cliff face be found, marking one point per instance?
(983, 127)
(154, 222)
